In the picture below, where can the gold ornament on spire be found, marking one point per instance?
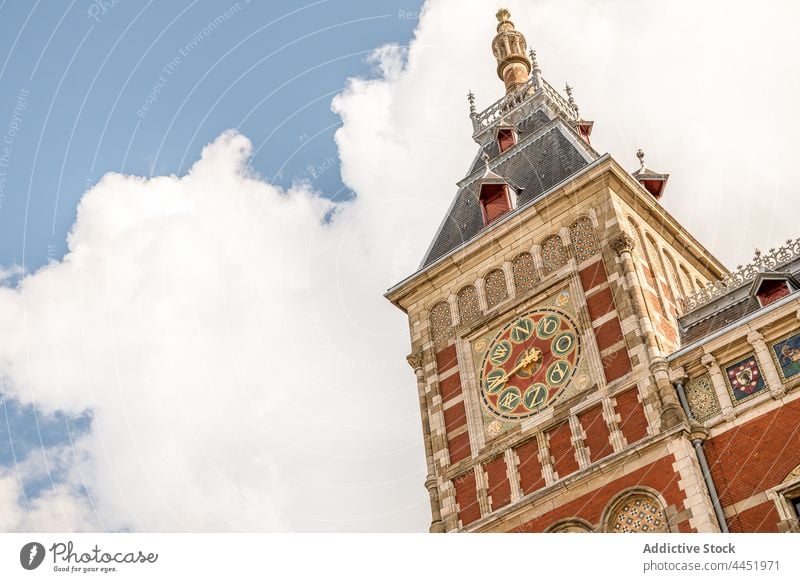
(509, 48)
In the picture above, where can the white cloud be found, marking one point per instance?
(243, 369)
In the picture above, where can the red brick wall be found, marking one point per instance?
(450, 387)
(600, 302)
(633, 422)
(593, 275)
(467, 498)
(458, 446)
(561, 450)
(455, 416)
(759, 519)
(597, 435)
(530, 468)
(752, 458)
(499, 487)
(658, 475)
(446, 359)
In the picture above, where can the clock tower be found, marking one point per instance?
(541, 322)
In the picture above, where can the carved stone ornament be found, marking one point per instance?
(415, 360)
(622, 243)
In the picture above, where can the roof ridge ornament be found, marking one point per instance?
(640, 155)
(771, 261)
(536, 72)
(571, 100)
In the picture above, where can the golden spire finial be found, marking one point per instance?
(509, 47)
(503, 15)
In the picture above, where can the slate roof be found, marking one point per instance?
(718, 320)
(693, 329)
(535, 167)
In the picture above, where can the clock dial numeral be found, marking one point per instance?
(508, 399)
(563, 344)
(548, 326)
(535, 396)
(522, 330)
(557, 373)
(495, 380)
(500, 353)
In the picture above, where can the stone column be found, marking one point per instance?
(671, 412)
(623, 245)
(718, 382)
(508, 271)
(480, 286)
(536, 253)
(766, 364)
(671, 409)
(416, 361)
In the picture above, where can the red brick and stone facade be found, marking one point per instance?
(672, 371)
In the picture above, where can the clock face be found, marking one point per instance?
(528, 363)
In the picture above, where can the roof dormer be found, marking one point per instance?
(769, 286)
(496, 195)
(653, 182)
(506, 136)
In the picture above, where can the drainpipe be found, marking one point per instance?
(697, 437)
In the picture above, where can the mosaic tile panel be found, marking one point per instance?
(584, 239)
(639, 515)
(745, 379)
(554, 255)
(702, 399)
(468, 306)
(524, 271)
(496, 289)
(787, 356)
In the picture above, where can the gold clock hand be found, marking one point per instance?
(532, 355)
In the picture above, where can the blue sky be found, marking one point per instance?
(268, 69)
(140, 87)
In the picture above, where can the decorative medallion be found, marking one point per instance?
(562, 299)
(787, 356)
(494, 429)
(528, 363)
(744, 379)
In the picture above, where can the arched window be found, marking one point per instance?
(496, 289)
(673, 273)
(686, 280)
(584, 239)
(441, 324)
(468, 306)
(524, 271)
(636, 511)
(554, 255)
